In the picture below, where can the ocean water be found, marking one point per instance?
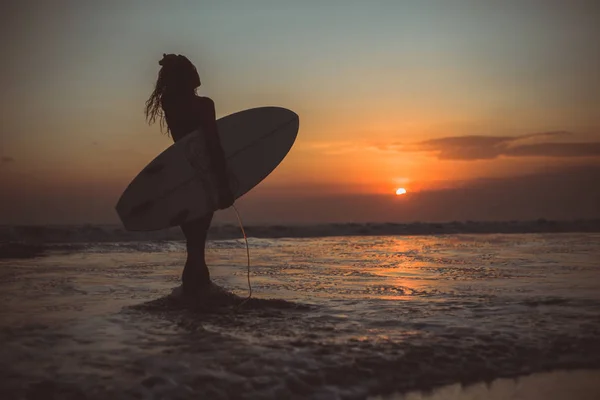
(330, 318)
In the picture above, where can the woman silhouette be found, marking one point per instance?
(175, 103)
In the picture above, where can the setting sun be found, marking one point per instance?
(400, 191)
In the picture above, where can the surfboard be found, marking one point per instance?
(179, 185)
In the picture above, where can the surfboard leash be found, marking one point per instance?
(247, 254)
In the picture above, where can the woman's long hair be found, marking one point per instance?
(177, 80)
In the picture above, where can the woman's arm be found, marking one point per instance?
(217, 156)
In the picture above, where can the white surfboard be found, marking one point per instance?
(179, 186)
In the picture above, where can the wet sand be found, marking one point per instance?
(555, 385)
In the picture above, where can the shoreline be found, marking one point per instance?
(47, 234)
(231, 231)
(22, 242)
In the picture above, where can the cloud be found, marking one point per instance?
(6, 160)
(556, 150)
(474, 147)
(489, 147)
(559, 193)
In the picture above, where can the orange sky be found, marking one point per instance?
(420, 95)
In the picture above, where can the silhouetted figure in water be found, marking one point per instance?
(175, 102)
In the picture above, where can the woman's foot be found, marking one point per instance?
(207, 295)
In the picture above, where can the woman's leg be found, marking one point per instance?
(195, 273)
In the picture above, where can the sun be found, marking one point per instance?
(400, 191)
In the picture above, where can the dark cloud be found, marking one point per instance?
(556, 150)
(490, 147)
(6, 160)
(557, 193)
